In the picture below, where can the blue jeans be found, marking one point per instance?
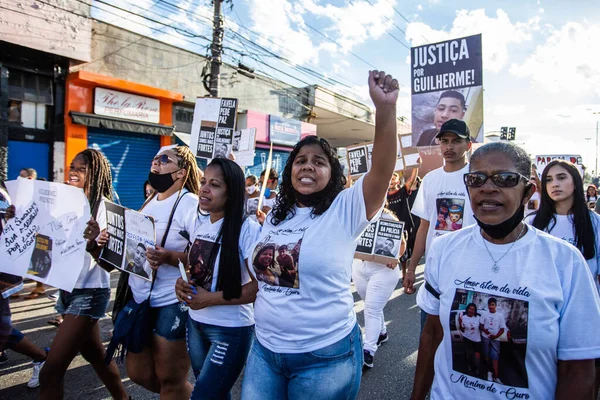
(331, 373)
(170, 321)
(218, 355)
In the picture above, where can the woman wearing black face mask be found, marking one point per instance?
(163, 366)
(540, 309)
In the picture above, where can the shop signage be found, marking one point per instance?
(125, 105)
(284, 131)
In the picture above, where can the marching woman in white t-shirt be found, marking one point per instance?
(564, 213)
(220, 327)
(86, 304)
(375, 283)
(308, 341)
(544, 337)
(163, 366)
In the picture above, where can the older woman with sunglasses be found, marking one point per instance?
(537, 285)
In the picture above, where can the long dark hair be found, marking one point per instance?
(230, 274)
(579, 214)
(98, 178)
(286, 199)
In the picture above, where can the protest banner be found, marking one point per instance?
(446, 83)
(359, 158)
(244, 144)
(543, 160)
(45, 241)
(130, 234)
(213, 126)
(380, 242)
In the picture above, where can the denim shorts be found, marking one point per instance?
(170, 321)
(491, 348)
(84, 302)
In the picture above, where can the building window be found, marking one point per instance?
(31, 99)
(183, 115)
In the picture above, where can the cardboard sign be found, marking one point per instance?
(45, 241)
(130, 233)
(542, 161)
(381, 242)
(244, 144)
(213, 126)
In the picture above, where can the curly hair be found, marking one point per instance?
(286, 198)
(98, 177)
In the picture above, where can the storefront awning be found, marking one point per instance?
(120, 124)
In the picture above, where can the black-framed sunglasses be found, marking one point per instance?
(163, 159)
(502, 179)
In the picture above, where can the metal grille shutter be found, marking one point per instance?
(260, 162)
(130, 156)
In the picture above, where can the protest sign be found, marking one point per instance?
(130, 234)
(244, 143)
(45, 241)
(380, 242)
(446, 83)
(213, 126)
(543, 160)
(359, 158)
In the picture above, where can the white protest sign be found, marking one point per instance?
(543, 160)
(244, 143)
(45, 241)
(212, 127)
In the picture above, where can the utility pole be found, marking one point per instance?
(216, 49)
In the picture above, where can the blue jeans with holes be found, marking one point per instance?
(218, 355)
(331, 373)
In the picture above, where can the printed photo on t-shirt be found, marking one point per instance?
(275, 259)
(489, 338)
(201, 265)
(449, 214)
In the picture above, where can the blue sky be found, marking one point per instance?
(541, 58)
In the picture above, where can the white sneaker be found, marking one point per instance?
(490, 377)
(35, 376)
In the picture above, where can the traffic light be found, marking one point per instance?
(503, 133)
(512, 133)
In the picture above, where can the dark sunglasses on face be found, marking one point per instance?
(502, 179)
(163, 159)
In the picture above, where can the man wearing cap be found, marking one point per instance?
(441, 186)
(451, 105)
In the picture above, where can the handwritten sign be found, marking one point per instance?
(213, 126)
(130, 233)
(244, 143)
(125, 105)
(45, 241)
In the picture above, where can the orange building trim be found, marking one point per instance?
(79, 97)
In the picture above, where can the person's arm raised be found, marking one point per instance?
(384, 93)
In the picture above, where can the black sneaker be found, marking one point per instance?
(382, 339)
(3, 358)
(367, 359)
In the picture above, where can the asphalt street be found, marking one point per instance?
(391, 377)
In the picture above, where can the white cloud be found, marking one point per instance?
(568, 61)
(420, 7)
(497, 34)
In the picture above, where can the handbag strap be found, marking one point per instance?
(164, 238)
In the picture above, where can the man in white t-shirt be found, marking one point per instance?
(442, 192)
(492, 327)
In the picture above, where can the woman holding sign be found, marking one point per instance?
(308, 341)
(375, 283)
(162, 367)
(86, 304)
(220, 328)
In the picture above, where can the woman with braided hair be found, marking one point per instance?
(163, 366)
(86, 304)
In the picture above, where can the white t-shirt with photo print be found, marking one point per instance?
(493, 322)
(550, 319)
(564, 230)
(204, 237)
(310, 306)
(440, 194)
(471, 325)
(184, 220)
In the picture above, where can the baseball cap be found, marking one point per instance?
(457, 127)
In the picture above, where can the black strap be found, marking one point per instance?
(164, 238)
(431, 290)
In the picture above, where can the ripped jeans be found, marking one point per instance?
(218, 355)
(170, 321)
(83, 302)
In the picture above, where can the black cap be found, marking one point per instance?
(457, 127)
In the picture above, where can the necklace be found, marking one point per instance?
(495, 267)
